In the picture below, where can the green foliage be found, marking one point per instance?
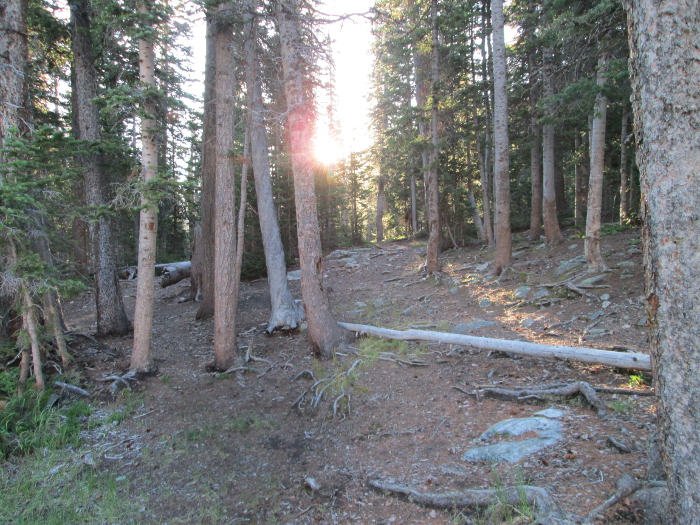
(27, 424)
(614, 228)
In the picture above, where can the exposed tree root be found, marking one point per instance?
(547, 512)
(565, 390)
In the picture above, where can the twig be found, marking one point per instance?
(236, 369)
(300, 515)
(144, 415)
(626, 486)
(462, 390)
(437, 428)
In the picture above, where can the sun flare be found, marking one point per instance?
(326, 150)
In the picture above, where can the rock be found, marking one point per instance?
(539, 294)
(482, 267)
(606, 304)
(474, 325)
(624, 264)
(634, 250)
(408, 310)
(567, 266)
(360, 304)
(594, 315)
(625, 275)
(347, 261)
(527, 322)
(642, 322)
(379, 303)
(337, 254)
(551, 413)
(573, 247)
(485, 302)
(548, 429)
(605, 297)
(294, 276)
(592, 280)
(521, 293)
(454, 289)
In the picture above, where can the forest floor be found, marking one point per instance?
(190, 446)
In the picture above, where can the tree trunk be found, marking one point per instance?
(225, 302)
(111, 316)
(501, 145)
(580, 181)
(666, 96)
(485, 193)
(414, 205)
(595, 181)
(206, 246)
(476, 217)
(380, 208)
(432, 264)
(324, 331)
(142, 357)
(551, 221)
(535, 139)
(623, 163)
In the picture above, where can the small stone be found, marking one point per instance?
(634, 251)
(642, 322)
(485, 302)
(433, 514)
(303, 327)
(573, 247)
(625, 264)
(454, 289)
(605, 297)
(482, 267)
(592, 280)
(606, 304)
(474, 325)
(408, 310)
(120, 478)
(360, 304)
(527, 322)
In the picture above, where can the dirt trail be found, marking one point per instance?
(200, 448)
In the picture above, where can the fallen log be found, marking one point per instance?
(630, 361)
(174, 273)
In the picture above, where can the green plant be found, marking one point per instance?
(634, 242)
(28, 424)
(637, 381)
(612, 228)
(622, 405)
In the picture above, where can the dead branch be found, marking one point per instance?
(585, 355)
(547, 512)
(569, 390)
(71, 388)
(626, 486)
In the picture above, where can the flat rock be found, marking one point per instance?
(474, 325)
(485, 302)
(521, 293)
(527, 322)
(592, 280)
(294, 276)
(551, 413)
(539, 294)
(510, 452)
(482, 267)
(544, 426)
(624, 264)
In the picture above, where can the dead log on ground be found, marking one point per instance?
(174, 273)
(547, 512)
(630, 361)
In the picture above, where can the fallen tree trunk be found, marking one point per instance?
(174, 273)
(630, 361)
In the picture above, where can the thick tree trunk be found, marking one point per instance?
(623, 163)
(111, 316)
(595, 181)
(324, 331)
(225, 302)
(142, 357)
(551, 221)
(205, 257)
(665, 68)
(500, 134)
(432, 264)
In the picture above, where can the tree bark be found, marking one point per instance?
(380, 208)
(414, 205)
(623, 163)
(580, 181)
(665, 72)
(111, 316)
(535, 136)
(324, 331)
(142, 356)
(205, 256)
(485, 193)
(504, 240)
(476, 217)
(551, 221)
(595, 181)
(225, 302)
(432, 264)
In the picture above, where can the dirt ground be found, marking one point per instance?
(197, 447)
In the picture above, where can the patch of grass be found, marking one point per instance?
(57, 488)
(28, 424)
(8, 382)
(634, 242)
(613, 228)
(621, 405)
(223, 376)
(637, 381)
(131, 401)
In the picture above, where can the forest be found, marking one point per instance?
(174, 244)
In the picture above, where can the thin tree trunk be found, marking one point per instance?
(551, 221)
(324, 331)
(623, 163)
(225, 304)
(476, 217)
(380, 208)
(414, 205)
(580, 177)
(111, 316)
(666, 95)
(142, 356)
(595, 181)
(485, 193)
(500, 133)
(206, 246)
(432, 264)
(535, 137)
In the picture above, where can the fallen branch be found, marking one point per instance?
(626, 486)
(580, 387)
(71, 388)
(631, 361)
(547, 512)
